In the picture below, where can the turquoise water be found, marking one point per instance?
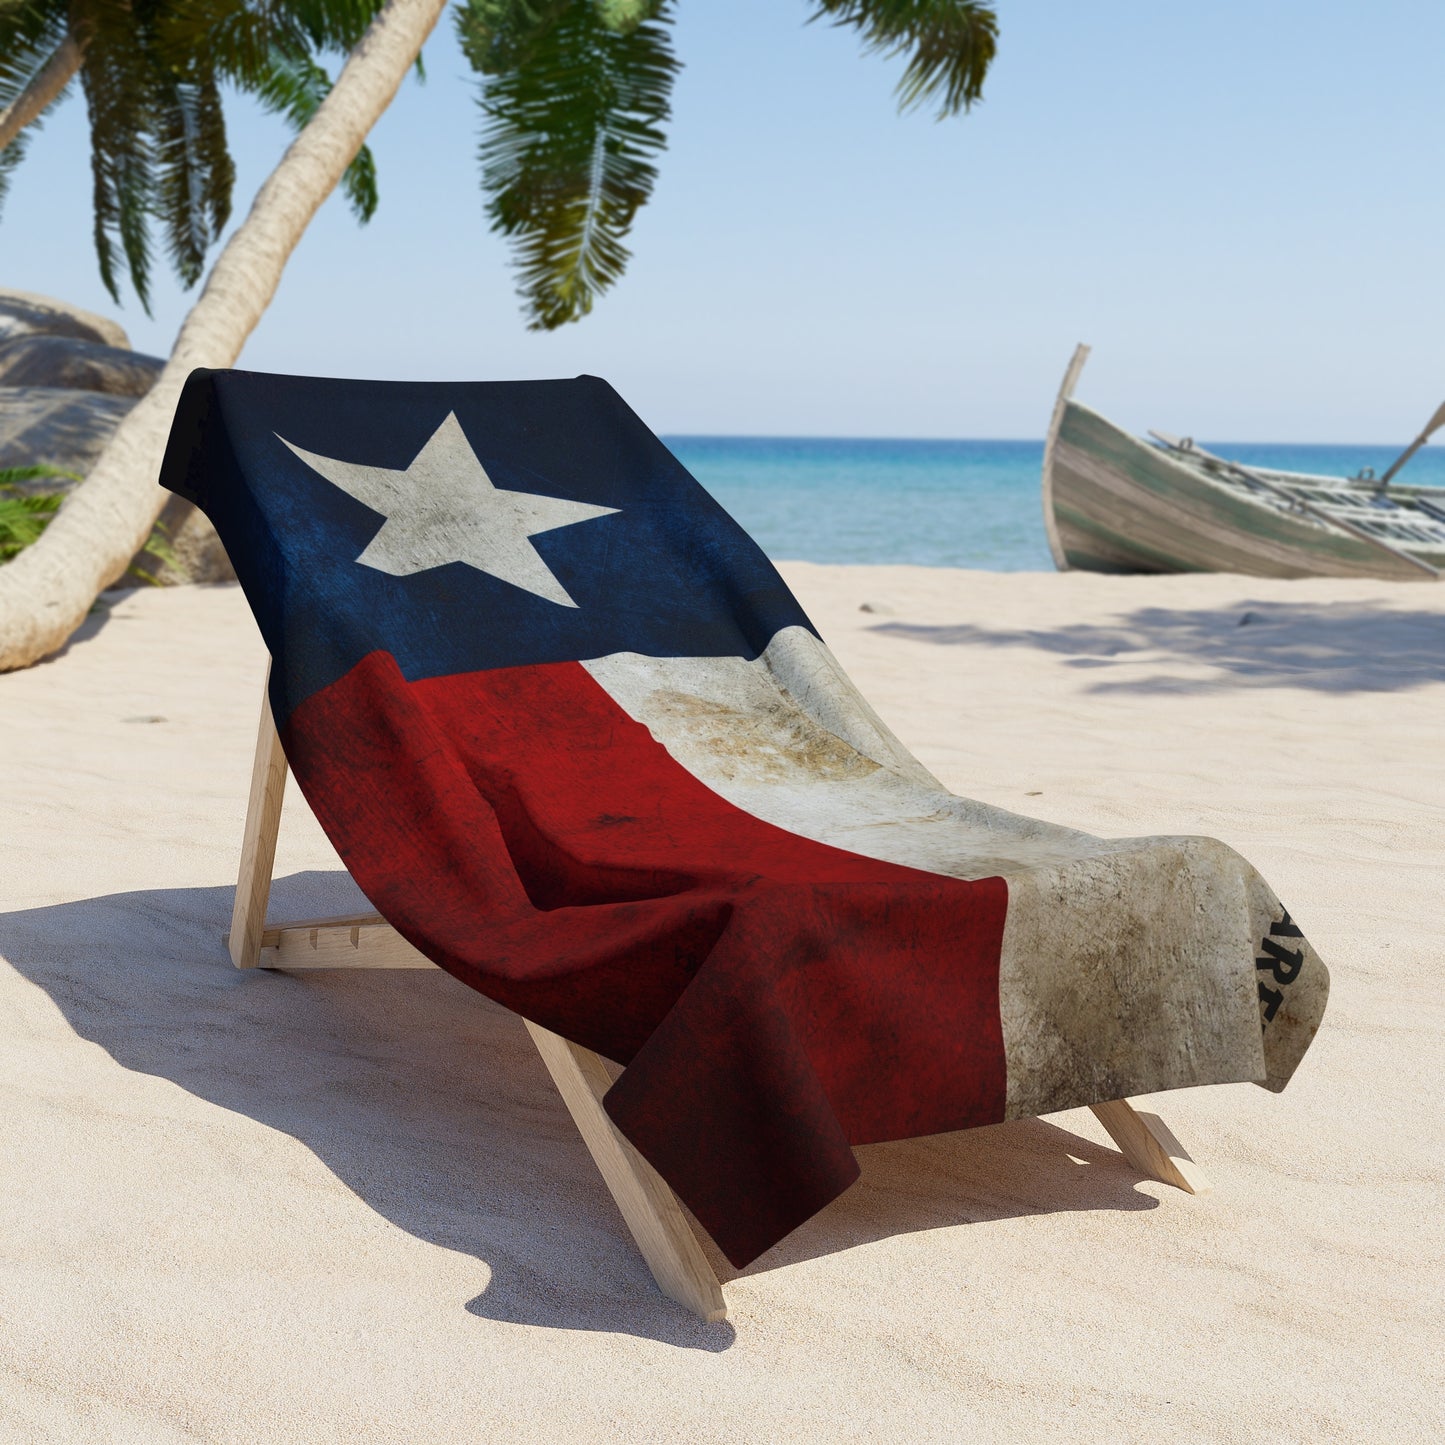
(935, 503)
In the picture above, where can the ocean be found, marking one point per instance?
(936, 503)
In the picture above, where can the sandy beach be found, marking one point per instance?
(341, 1207)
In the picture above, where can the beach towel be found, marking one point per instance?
(578, 743)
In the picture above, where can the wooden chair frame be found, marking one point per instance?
(649, 1207)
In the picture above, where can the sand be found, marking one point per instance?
(261, 1208)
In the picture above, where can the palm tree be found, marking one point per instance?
(574, 92)
(152, 74)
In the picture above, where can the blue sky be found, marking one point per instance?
(1238, 204)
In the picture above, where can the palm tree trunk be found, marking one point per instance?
(47, 590)
(45, 85)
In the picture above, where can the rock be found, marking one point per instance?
(197, 553)
(67, 377)
(22, 313)
(66, 361)
(69, 429)
(57, 426)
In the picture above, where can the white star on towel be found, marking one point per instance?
(444, 508)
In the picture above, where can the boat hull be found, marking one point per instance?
(1117, 504)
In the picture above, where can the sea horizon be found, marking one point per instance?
(972, 502)
(671, 436)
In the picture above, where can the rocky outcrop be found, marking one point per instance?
(67, 377)
(58, 427)
(66, 361)
(22, 313)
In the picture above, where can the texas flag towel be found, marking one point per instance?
(578, 743)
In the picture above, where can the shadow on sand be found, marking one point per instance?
(429, 1102)
(1336, 647)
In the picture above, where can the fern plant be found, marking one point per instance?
(25, 515)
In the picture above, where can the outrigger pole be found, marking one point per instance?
(1431, 427)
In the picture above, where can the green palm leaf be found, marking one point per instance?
(30, 32)
(575, 93)
(151, 72)
(11, 157)
(268, 49)
(118, 78)
(949, 43)
(294, 85)
(194, 172)
(29, 35)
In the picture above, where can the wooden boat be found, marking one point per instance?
(1116, 503)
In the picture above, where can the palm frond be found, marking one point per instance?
(294, 85)
(10, 157)
(151, 73)
(575, 93)
(950, 45)
(238, 40)
(334, 24)
(29, 35)
(268, 49)
(498, 35)
(194, 170)
(622, 15)
(118, 79)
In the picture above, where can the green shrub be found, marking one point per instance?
(24, 516)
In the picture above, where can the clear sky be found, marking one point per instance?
(1239, 204)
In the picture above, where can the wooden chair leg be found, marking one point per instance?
(650, 1208)
(258, 849)
(1148, 1143)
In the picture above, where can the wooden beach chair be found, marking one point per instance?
(645, 809)
(652, 1213)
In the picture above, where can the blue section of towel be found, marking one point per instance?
(668, 574)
